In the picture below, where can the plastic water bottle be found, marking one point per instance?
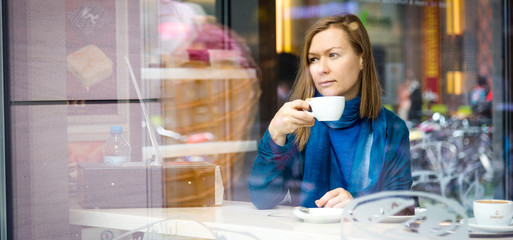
(116, 150)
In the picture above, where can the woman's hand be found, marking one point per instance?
(288, 119)
(336, 198)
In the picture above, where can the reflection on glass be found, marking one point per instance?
(202, 87)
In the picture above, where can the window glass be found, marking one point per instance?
(191, 86)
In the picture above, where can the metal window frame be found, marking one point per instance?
(507, 98)
(5, 210)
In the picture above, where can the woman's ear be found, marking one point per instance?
(361, 63)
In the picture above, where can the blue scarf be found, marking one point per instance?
(322, 165)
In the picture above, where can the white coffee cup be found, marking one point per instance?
(328, 108)
(493, 212)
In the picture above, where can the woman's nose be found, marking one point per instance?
(323, 67)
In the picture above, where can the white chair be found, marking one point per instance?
(168, 229)
(436, 218)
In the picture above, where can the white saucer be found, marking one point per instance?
(320, 215)
(472, 224)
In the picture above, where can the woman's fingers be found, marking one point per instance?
(291, 116)
(288, 119)
(301, 120)
(324, 199)
(335, 198)
(301, 104)
(288, 123)
(297, 111)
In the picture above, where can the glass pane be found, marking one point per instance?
(192, 86)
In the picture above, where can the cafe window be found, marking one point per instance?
(191, 86)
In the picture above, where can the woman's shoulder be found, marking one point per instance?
(390, 115)
(394, 122)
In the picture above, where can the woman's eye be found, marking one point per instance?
(311, 60)
(333, 55)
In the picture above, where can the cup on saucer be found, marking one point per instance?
(493, 212)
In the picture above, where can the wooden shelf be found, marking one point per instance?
(197, 73)
(198, 149)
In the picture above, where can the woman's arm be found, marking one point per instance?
(277, 163)
(274, 171)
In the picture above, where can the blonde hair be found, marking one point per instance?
(370, 88)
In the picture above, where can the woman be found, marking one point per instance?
(326, 164)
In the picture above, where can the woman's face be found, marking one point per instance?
(334, 65)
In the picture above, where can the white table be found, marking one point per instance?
(233, 220)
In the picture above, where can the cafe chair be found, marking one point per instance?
(471, 185)
(404, 215)
(168, 229)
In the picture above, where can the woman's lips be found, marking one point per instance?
(326, 83)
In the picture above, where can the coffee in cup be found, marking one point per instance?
(328, 108)
(493, 212)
